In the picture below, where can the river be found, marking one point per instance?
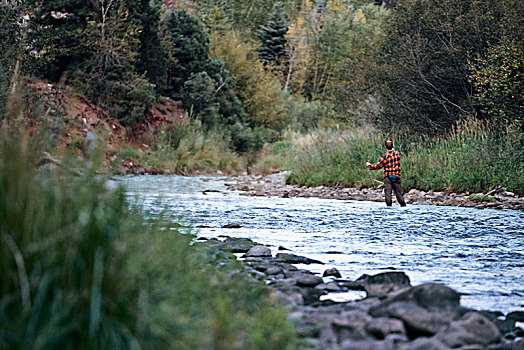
(477, 252)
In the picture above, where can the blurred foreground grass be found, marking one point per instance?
(80, 269)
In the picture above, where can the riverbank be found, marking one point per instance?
(392, 315)
(274, 185)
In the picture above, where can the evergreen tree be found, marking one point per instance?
(188, 47)
(151, 55)
(60, 25)
(272, 37)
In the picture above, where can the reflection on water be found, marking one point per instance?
(477, 252)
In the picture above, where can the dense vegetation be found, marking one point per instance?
(81, 269)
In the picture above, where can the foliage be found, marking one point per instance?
(497, 74)
(190, 147)
(12, 51)
(80, 269)
(188, 46)
(204, 85)
(100, 48)
(272, 50)
(152, 58)
(422, 70)
(247, 16)
(481, 198)
(258, 89)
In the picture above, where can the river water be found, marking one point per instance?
(477, 252)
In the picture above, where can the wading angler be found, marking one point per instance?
(390, 161)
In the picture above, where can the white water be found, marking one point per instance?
(477, 252)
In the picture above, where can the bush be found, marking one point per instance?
(189, 147)
(127, 99)
(79, 269)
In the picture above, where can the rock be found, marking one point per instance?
(382, 284)
(296, 259)
(330, 287)
(351, 285)
(432, 296)
(273, 270)
(382, 327)
(425, 309)
(308, 280)
(234, 225)
(239, 245)
(417, 320)
(311, 295)
(518, 316)
(258, 251)
(425, 344)
(471, 329)
(363, 345)
(332, 272)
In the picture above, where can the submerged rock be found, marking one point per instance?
(296, 259)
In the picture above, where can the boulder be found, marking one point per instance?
(381, 327)
(470, 329)
(332, 272)
(239, 245)
(417, 320)
(296, 259)
(258, 251)
(382, 284)
(425, 309)
(431, 296)
(308, 280)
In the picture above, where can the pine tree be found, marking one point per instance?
(151, 55)
(188, 47)
(272, 37)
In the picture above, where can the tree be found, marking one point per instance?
(422, 75)
(57, 38)
(11, 48)
(272, 50)
(258, 89)
(151, 59)
(188, 46)
(497, 75)
(299, 41)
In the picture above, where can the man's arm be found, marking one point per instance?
(379, 165)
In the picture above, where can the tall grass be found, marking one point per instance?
(473, 157)
(189, 147)
(79, 269)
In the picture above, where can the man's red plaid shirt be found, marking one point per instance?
(390, 162)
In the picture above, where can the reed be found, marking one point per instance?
(473, 157)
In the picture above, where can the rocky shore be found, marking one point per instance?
(275, 185)
(392, 315)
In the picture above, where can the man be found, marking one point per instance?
(391, 164)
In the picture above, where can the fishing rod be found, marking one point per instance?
(371, 179)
